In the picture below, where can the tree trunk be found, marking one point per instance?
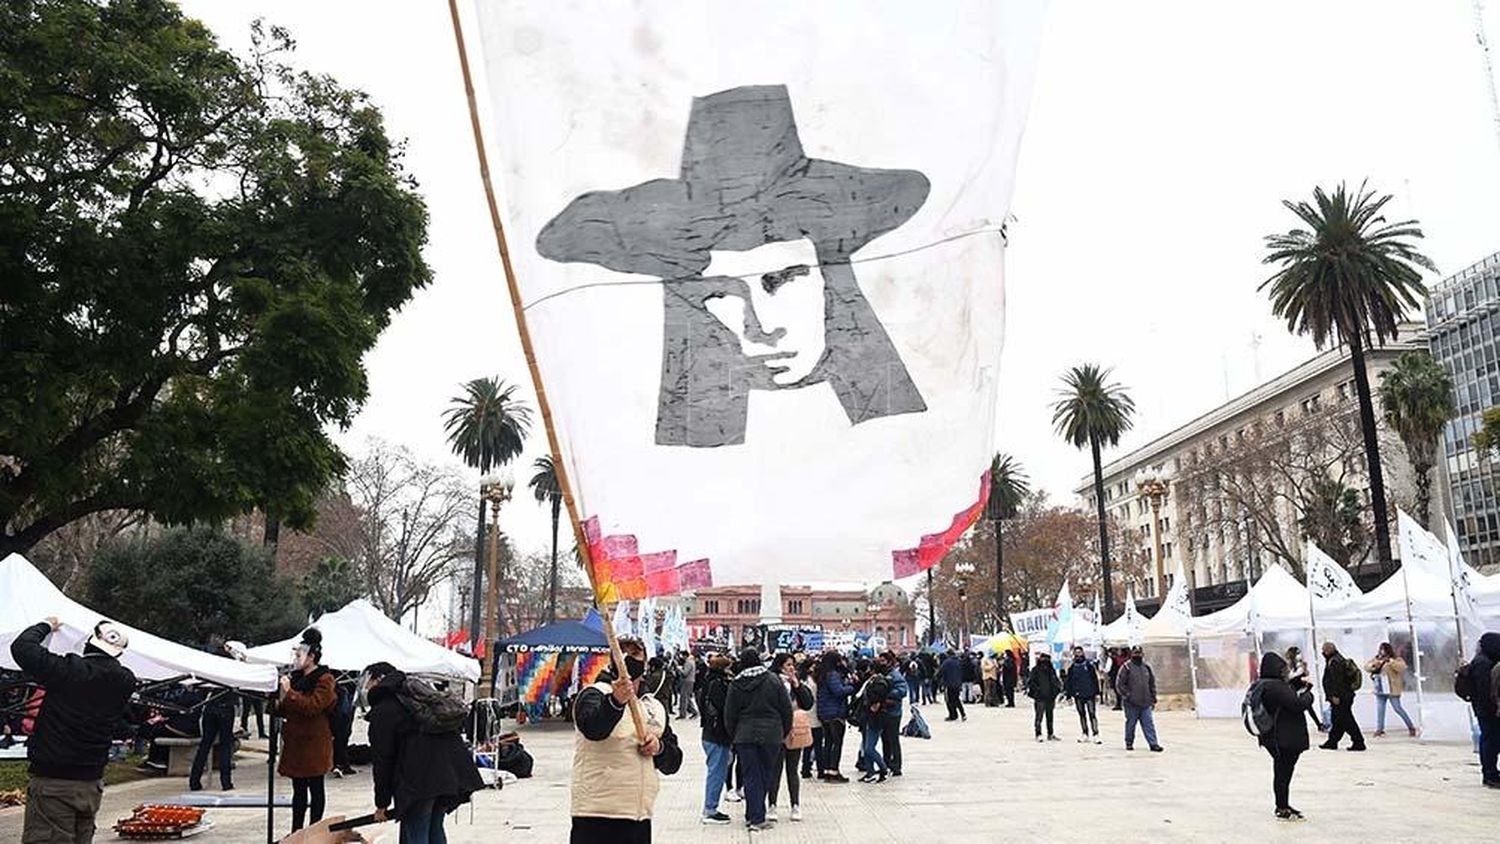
(1001, 621)
(1109, 592)
(478, 600)
(1372, 450)
(552, 585)
(272, 533)
(931, 612)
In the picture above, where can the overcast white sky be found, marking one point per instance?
(1162, 138)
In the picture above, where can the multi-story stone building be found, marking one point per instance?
(884, 611)
(1233, 481)
(1464, 336)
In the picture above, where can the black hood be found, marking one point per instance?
(1489, 645)
(1273, 666)
(388, 686)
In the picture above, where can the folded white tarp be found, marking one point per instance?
(27, 597)
(359, 635)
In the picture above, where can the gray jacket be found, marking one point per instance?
(1136, 684)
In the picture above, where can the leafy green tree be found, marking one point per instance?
(1487, 439)
(1416, 396)
(197, 252)
(1009, 489)
(1332, 518)
(1092, 412)
(1349, 276)
(547, 490)
(330, 585)
(190, 584)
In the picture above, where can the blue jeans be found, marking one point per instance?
(1395, 701)
(1489, 748)
(718, 769)
(422, 824)
(869, 736)
(1140, 714)
(758, 764)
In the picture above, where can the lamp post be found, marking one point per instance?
(1154, 490)
(931, 612)
(496, 490)
(964, 569)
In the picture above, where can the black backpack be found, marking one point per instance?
(436, 711)
(710, 713)
(876, 690)
(1253, 712)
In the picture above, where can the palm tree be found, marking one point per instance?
(1090, 412)
(1009, 489)
(1331, 518)
(1416, 396)
(1347, 276)
(486, 427)
(545, 487)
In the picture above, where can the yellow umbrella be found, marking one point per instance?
(1002, 642)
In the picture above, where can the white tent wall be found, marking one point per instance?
(359, 634)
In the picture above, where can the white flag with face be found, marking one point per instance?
(1177, 599)
(1326, 579)
(759, 247)
(1135, 623)
(621, 622)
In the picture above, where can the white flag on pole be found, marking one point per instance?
(1326, 579)
(1420, 550)
(621, 621)
(1135, 623)
(759, 247)
(1463, 579)
(645, 625)
(1177, 599)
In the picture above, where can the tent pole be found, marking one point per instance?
(271, 780)
(544, 407)
(1312, 659)
(1416, 650)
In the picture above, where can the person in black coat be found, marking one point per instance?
(1044, 687)
(711, 690)
(419, 776)
(1288, 739)
(84, 706)
(952, 673)
(1009, 671)
(1082, 685)
(758, 714)
(1339, 690)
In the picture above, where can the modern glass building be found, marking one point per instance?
(1464, 336)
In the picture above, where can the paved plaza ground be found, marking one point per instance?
(987, 780)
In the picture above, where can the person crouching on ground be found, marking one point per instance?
(69, 745)
(420, 776)
(306, 704)
(758, 713)
(1288, 739)
(615, 772)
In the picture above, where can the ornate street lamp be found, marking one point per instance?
(497, 490)
(964, 569)
(1154, 489)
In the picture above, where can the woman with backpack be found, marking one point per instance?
(306, 704)
(1387, 678)
(1286, 739)
(422, 772)
(799, 738)
(833, 694)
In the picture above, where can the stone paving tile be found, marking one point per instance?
(987, 780)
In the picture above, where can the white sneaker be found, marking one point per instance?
(771, 813)
(734, 796)
(1083, 739)
(1098, 740)
(796, 813)
(1039, 739)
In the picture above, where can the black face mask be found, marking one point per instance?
(1136, 659)
(1078, 658)
(636, 667)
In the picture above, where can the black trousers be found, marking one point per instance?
(1283, 763)
(258, 705)
(1343, 722)
(1044, 708)
(614, 830)
(1009, 689)
(1088, 714)
(955, 705)
(307, 794)
(890, 743)
(833, 743)
(218, 729)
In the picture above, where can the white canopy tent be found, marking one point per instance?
(359, 634)
(27, 597)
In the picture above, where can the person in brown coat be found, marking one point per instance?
(305, 705)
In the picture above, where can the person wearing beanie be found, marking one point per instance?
(86, 699)
(712, 690)
(1288, 739)
(305, 703)
(616, 773)
(758, 715)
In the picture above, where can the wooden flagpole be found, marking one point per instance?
(559, 465)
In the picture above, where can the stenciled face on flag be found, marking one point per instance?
(759, 250)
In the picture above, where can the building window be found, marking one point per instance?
(794, 607)
(1281, 419)
(1310, 405)
(711, 607)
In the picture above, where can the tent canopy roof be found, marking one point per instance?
(561, 636)
(359, 635)
(27, 597)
